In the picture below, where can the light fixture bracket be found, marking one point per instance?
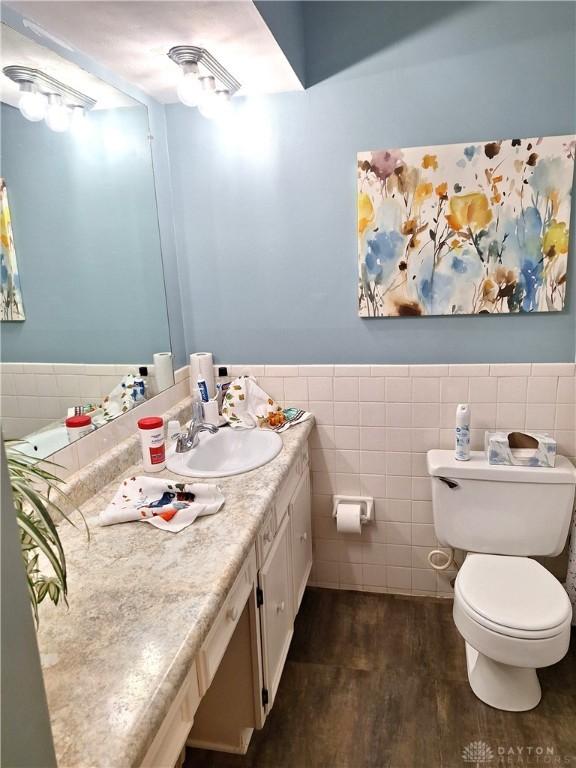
(192, 54)
(48, 85)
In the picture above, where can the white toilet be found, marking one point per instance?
(512, 613)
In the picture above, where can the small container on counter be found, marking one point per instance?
(211, 414)
(77, 426)
(153, 443)
(173, 430)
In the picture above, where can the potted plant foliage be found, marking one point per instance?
(33, 489)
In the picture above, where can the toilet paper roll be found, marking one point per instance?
(163, 371)
(348, 518)
(202, 366)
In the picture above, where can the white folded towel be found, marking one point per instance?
(165, 504)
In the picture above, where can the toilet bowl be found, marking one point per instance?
(513, 614)
(515, 617)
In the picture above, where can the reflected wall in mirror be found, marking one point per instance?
(86, 242)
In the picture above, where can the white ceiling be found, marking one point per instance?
(17, 49)
(131, 38)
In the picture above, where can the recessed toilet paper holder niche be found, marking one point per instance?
(366, 504)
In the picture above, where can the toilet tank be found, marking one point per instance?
(501, 510)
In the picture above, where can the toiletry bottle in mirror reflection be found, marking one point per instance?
(143, 375)
(139, 391)
(78, 425)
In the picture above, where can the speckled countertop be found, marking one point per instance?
(141, 602)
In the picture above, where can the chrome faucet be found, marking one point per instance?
(185, 441)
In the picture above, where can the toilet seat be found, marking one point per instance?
(512, 596)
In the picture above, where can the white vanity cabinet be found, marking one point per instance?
(285, 563)
(276, 611)
(301, 535)
(239, 666)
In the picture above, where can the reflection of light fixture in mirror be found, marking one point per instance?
(210, 90)
(41, 96)
(32, 104)
(57, 114)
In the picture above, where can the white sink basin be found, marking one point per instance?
(228, 452)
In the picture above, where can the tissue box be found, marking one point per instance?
(523, 449)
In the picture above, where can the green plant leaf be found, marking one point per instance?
(40, 508)
(32, 483)
(27, 524)
(42, 591)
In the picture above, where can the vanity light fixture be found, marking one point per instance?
(44, 97)
(204, 82)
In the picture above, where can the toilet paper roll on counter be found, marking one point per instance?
(163, 371)
(202, 367)
(348, 518)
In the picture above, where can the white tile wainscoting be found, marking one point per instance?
(374, 426)
(33, 395)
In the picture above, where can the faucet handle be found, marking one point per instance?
(182, 443)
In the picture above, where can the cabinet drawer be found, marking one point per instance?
(219, 636)
(173, 732)
(266, 536)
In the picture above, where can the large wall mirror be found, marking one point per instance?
(84, 325)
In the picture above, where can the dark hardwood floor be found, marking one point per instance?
(379, 681)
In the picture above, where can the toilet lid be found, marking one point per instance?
(513, 592)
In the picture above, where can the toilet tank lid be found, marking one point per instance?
(443, 464)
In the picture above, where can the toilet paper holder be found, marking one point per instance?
(366, 503)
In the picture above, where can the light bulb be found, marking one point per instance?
(189, 88)
(58, 114)
(32, 104)
(208, 88)
(215, 105)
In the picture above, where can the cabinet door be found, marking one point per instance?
(276, 616)
(301, 525)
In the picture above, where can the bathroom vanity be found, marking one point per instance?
(232, 684)
(175, 639)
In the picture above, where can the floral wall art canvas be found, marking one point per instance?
(477, 228)
(11, 296)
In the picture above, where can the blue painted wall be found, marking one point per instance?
(163, 187)
(87, 242)
(265, 204)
